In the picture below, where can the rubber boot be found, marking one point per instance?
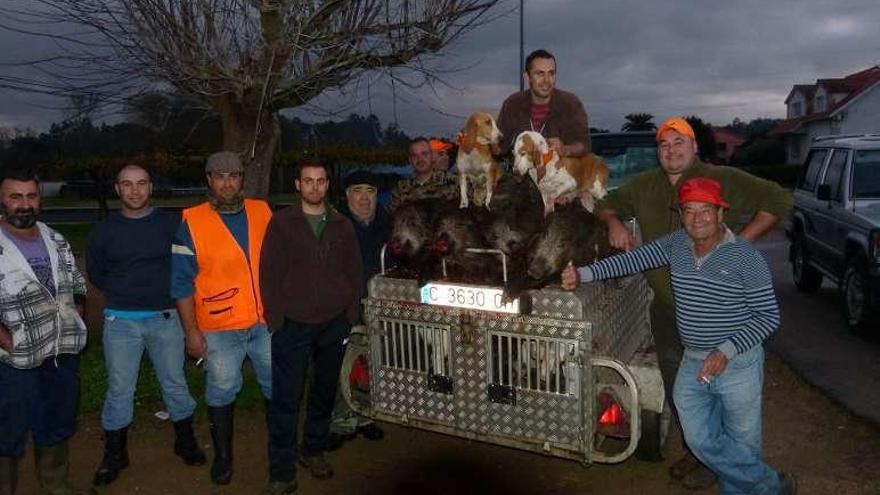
(53, 464)
(221, 433)
(115, 457)
(185, 445)
(8, 475)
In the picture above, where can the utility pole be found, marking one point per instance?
(522, 56)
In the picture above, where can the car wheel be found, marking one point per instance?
(655, 427)
(806, 277)
(857, 310)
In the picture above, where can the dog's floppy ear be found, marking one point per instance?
(468, 138)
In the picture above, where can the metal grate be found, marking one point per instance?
(415, 346)
(540, 364)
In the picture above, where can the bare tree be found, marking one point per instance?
(243, 59)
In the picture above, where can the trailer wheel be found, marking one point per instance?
(354, 378)
(655, 426)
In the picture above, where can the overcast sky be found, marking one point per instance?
(717, 60)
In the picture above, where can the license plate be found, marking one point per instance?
(467, 297)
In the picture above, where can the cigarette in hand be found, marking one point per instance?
(199, 362)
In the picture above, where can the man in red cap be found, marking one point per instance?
(725, 309)
(756, 205)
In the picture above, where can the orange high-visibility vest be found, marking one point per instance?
(227, 287)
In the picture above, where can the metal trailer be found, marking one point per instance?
(538, 378)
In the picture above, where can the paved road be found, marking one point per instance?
(815, 342)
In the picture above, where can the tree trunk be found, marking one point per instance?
(239, 128)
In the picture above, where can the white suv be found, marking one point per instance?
(835, 227)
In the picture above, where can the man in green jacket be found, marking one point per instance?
(756, 205)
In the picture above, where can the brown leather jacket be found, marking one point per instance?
(567, 119)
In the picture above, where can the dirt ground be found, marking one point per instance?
(831, 451)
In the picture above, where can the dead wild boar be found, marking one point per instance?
(412, 238)
(571, 234)
(517, 215)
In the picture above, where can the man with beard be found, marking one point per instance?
(557, 115)
(215, 281)
(756, 205)
(139, 315)
(310, 275)
(41, 335)
(373, 228)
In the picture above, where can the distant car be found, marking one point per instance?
(835, 224)
(81, 189)
(626, 153)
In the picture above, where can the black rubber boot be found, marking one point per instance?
(53, 464)
(221, 433)
(115, 457)
(8, 475)
(185, 445)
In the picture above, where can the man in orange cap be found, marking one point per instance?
(441, 151)
(756, 205)
(725, 309)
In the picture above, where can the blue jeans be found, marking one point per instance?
(42, 400)
(226, 353)
(722, 421)
(124, 343)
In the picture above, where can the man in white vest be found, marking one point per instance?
(41, 335)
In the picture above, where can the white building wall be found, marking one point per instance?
(862, 115)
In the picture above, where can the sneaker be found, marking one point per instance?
(787, 484)
(317, 465)
(699, 478)
(279, 487)
(371, 431)
(683, 466)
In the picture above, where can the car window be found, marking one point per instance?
(812, 168)
(866, 174)
(834, 173)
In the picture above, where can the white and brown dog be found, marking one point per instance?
(584, 177)
(475, 162)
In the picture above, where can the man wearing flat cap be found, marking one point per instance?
(756, 205)
(372, 226)
(215, 281)
(725, 309)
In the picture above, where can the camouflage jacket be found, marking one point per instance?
(442, 185)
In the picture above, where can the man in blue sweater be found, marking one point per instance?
(128, 257)
(725, 308)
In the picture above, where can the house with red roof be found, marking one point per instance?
(845, 105)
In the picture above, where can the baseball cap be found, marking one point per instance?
(224, 161)
(440, 145)
(702, 189)
(678, 125)
(361, 177)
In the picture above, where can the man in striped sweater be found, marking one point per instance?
(725, 308)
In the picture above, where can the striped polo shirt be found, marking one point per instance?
(724, 300)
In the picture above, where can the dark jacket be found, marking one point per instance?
(305, 279)
(370, 240)
(567, 119)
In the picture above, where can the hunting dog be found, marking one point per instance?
(557, 177)
(475, 163)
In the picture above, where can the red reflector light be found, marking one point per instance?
(359, 377)
(613, 420)
(612, 416)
